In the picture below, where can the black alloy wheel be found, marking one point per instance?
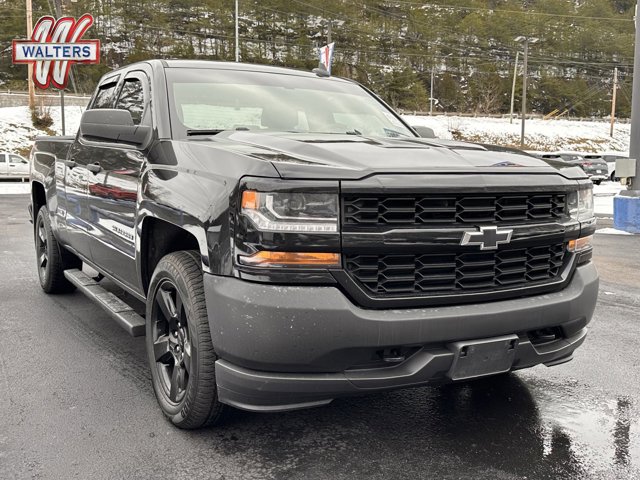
(179, 346)
(51, 258)
(171, 342)
(42, 248)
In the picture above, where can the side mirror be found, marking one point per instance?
(113, 125)
(424, 132)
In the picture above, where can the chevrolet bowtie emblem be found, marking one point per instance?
(488, 238)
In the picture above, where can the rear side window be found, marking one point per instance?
(132, 99)
(106, 95)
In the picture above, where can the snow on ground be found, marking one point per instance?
(17, 131)
(541, 135)
(603, 198)
(612, 231)
(14, 188)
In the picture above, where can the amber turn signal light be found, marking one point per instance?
(250, 200)
(291, 259)
(580, 244)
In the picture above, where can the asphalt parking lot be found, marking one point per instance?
(77, 401)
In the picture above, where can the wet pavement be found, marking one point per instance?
(77, 402)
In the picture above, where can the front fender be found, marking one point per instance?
(193, 186)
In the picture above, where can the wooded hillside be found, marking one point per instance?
(392, 47)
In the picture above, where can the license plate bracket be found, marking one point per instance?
(480, 358)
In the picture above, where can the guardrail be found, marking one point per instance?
(21, 99)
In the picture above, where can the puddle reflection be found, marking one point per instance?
(514, 426)
(531, 427)
(604, 432)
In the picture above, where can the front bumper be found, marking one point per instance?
(283, 348)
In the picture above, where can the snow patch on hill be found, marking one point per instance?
(542, 135)
(17, 132)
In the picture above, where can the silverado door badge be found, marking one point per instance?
(488, 238)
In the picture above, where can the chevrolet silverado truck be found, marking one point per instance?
(292, 240)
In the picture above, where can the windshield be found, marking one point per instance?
(208, 101)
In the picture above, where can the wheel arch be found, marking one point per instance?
(159, 237)
(38, 197)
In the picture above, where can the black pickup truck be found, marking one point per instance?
(294, 240)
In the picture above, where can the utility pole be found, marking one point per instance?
(32, 90)
(634, 145)
(237, 38)
(513, 87)
(524, 90)
(433, 77)
(329, 33)
(626, 205)
(613, 99)
(59, 14)
(525, 41)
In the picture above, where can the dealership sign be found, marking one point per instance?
(54, 46)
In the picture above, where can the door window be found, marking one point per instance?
(132, 99)
(105, 95)
(16, 159)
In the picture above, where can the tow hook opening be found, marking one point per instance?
(385, 357)
(545, 336)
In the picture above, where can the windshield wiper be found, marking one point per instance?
(191, 132)
(354, 132)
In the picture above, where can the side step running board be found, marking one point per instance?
(119, 310)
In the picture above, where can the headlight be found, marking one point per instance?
(291, 211)
(580, 204)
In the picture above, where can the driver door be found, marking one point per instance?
(112, 192)
(76, 175)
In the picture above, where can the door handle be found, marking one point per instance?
(12, 166)
(70, 163)
(94, 167)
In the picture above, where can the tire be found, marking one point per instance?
(52, 260)
(179, 347)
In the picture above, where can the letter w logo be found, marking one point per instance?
(54, 46)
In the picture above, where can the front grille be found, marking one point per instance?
(400, 210)
(468, 272)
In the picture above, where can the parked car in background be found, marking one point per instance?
(595, 167)
(13, 166)
(611, 164)
(565, 156)
(592, 164)
(553, 160)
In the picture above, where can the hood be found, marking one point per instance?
(334, 156)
